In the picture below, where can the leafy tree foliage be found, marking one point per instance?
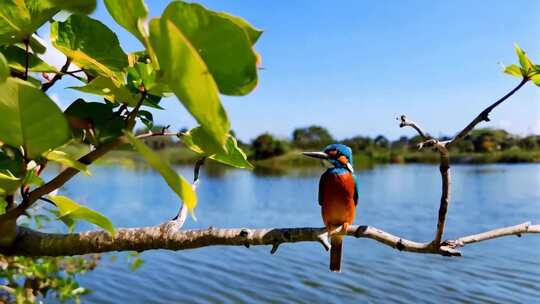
(266, 146)
(189, 52)
(311, 137)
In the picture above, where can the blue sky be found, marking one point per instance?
(353, 66)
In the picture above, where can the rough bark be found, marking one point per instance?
(33, 243)
(16, 240)
(443, 148)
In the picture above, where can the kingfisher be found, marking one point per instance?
(338, 196)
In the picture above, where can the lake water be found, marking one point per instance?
(401, 199)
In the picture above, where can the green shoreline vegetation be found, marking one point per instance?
(266, 151)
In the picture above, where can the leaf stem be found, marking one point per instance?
(131, 117)
(26, 58)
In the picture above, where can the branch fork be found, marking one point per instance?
(443, 148)
(29, 242)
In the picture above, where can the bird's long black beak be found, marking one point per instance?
(320, 155)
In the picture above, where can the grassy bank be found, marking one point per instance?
(180, 155)
(366, 160)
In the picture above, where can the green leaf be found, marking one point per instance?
(70, 212)
(513, 70)
(16, 58)
(176, 182)
(3, 205)
(30, 119)
(8, 183)
(12, 160)
(36, 83)
(74, 6)
(146, 118)
(189, 78)
(130, 14)
(19, 19)
(95, 122)
(197, 141)
(253, 33)
(4, 68)
(234, 157)
(31, 178)
(91, 45)
(536, 79)
(105, 86)
(142, 74)
(66, 160)
(222, 41)
(117, 93)
(36, 45)
(524, 61)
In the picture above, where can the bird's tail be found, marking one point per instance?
(335, 253)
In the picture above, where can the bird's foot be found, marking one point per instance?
(344, 228)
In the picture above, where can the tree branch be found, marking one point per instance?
(68, 173)
(130, 121)
(444, 168)
(63, 177)
(484, 115)
(178, 221)
(56, 77)
(153, 134)
(404, 122)
(443, 147)
(33, 243)
(512, 230)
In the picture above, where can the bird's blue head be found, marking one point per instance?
(340, 156)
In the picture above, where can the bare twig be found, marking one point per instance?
(34, 243)
(178, 221)
(443, 147)
(517, 230)
(153, 134)
(404, 122)
(130, 122)
(74, 75)
(196, 171)
(444, 168)
(47, 200)
(484, 115)
(58, 76)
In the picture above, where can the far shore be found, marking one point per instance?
(293, 158)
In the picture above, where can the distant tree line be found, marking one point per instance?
(378, 148)
(316, 137)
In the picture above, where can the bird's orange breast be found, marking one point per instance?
(337, 199)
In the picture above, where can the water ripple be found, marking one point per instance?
(499, 271)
